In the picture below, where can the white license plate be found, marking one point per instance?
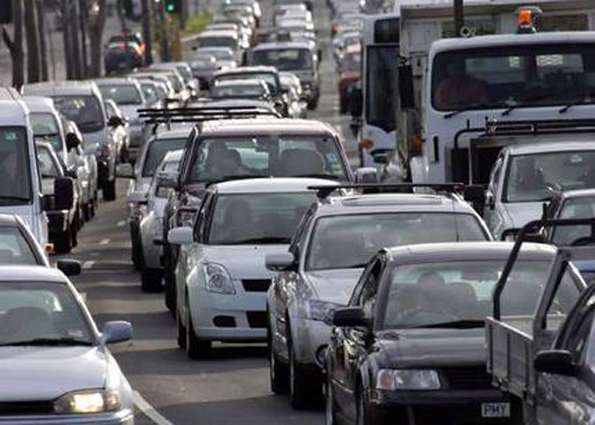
(495, 410)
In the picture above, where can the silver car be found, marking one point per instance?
(151, 221)
(53, 354)
(330, 248)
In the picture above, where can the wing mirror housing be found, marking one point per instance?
(180, 236)
(64, 193)
(555, 362)
(350, 317)
(69, 267)
(280, 262)
(116, 331)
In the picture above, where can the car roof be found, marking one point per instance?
(467, 251)
(266, 126)
(578, 193)
(174, 133)
(116, 81)
(247, 70)
(9, 220)
(29, 273)
(217, 33)
(534, 148)
(269, 185)
(246, 82)
(278, 45)
(39, 104)
(60, 88)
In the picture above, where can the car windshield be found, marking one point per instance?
(535, 177)
(511, 76)
(283, 59)
(381, 86)
(45, 127)
(267, 77)
(262, 218)
(581, 207)
(122, 94)
(85, 111)
(220, 54)
(282, 156)
(215, 41)
(150, 92)
(237, 91)
(185, 72)
(14, 248)
(15, 174)
(349, 241)
(157, 151)
(450, 294)
(39, 313)
(47, 167)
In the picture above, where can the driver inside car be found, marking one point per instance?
(460, 89)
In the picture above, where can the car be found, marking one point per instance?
(181, 94)
(240, 89)
(292, 89)
(328, 252)
(63, 220)
(203, 67)
(129, 97)
(151, 92)
(120, 57)
(185, 71)
(18, 245)
(411, 344)
(220, 38)
(525, 176)
(572, 204)
(299, 148)
(48, 333)
(83, 103)
(224, 56)
(141, 176)
(221, 278)
(151, 221)
(119, 128)
(163, 84)
(129, 37)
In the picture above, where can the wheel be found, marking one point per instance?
(181, 332)
(195, 348)
(330, 410)
(278, 374)
(302, 389)
(109, 190)
(63, 241)
(151, 280)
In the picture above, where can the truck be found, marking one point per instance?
(513, 60)
(545, 359)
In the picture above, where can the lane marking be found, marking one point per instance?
(87, 265)
(104, 241)
(148, 410)
(121, 223)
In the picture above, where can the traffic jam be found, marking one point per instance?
(357, 212)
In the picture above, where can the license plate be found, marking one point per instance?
(495, 410)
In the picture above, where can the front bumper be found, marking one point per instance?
(123, 417)
(460, 407)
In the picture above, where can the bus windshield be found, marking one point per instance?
(381, 86)
(514, 76)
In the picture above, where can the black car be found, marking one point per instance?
(120, 57)
(411, 348)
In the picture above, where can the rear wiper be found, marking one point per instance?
(67, 341)
(456, 324)
(266, 239)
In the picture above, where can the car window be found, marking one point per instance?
(15, 174)
(157, 151)
(14, 248)
(122, 94)
(45, 128)
(85, 111)
(47, 167)
(583, 207)
(366, 297)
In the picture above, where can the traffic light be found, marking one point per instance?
(173, 6)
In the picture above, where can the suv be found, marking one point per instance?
(82, 102)
(336, 239)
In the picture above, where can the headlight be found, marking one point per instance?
(93, 401)
(218, 279)
(320, 310)
(407, 379)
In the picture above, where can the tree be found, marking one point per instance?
(32, 38)
(147, 33)
(97, 16)
(43, 51)
(15, 45)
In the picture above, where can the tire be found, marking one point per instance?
(63, 241)
(195, 348)
(278, 373)
(181, 332)
(109, 190)
(151, 280)
(302, 393)
(170, 294)
(330, 410)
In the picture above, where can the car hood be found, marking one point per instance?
(42, 373)
(244, 261)
(432, 347)
(520, 213)
(130, 111)
(333, 285)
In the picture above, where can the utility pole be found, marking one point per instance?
(459, 17)
(164, 36)
(147, 17)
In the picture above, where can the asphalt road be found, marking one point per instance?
(231, 388)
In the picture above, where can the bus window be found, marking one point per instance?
(386, 31)
(381, 86)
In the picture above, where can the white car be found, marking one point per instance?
(525, 176)
(151, 221)
(221, 278)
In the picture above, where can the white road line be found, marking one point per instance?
(87, 265)
(121, 223)
(104, 241)
(148, 410)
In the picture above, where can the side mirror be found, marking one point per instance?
(406, 90)
(69, 267)
(125, 171)
(356, 102)
(381, 158)
(48, 202)
(64, 193)
(366, 175)
(180, 236)
(115, 121)
(490, 199)
(72, 173)
(137, 198)
(72, 141)
(354, 126)
(350, 317)
(557, 362)
(279, 262)
(117, 331)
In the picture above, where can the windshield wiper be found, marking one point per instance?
(456, 324)
(508, 110)
(40, 342)
(469, 108)
(319, 176)
(265, 240)
(565, 109)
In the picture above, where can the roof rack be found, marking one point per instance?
(450, 188)
(526, 234)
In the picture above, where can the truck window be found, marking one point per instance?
(381, 86)
(15, 172)
(528, 76)
(566, 297)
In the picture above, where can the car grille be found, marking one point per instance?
(256, 285)
(257, 319)
(15, 408)
(467, 378)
